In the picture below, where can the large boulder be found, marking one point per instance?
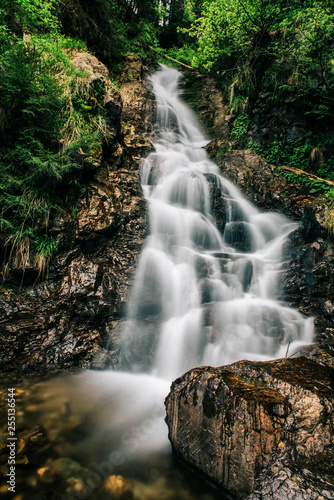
(252, 420)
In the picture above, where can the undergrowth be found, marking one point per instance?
(52, 123)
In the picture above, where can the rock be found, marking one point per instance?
(98, 76)
(113, 103)
(307, 277)
(67, 468)
(76, 487)
(310, 227)
(235, 423)
(238, 234)
(46, 475)
(92, 66)
(284, 479)
(218, 205)
(265, 430)
(118, 488)
(268, 189)
(138, 101)
(307, 283)
(205, 94)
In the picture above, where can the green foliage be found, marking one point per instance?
(45, 245)
(52, 120)
(293, 154)
(143, 40)
(267, 52)
(183, 54)
(320, 111)
(326, 170)
(31, 16)
(316, 186)
(223, 150)
(229, 32)
(240, 127)
(52, 126)
(298, 154)
(176, 18)
(112, 28)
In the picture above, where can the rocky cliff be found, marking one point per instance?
(65, 319)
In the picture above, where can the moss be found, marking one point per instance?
(301, 371)
(251, 390)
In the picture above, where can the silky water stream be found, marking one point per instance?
(200, 297)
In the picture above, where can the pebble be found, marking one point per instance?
(118, 487)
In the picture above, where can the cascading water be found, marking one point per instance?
(201, 297)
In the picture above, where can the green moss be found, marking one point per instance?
(301, 371)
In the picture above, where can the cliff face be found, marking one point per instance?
(307, 278)
(64, 320)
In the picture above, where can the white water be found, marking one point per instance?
(200, 297)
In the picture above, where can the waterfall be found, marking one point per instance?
(202, 297)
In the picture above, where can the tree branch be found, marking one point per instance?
(172, 59)
(249, 17)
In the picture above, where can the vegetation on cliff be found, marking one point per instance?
(274, 60)
(52, 118)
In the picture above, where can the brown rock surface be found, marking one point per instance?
(91, 65)
(237, 423)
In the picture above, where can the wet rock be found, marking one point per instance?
(268, 189)
(92, 66)
(310, 227)
(284, 479)
(307, 283)
(239, 236)
(218, 204)
(138, 106)
(246, 425)
(307, 277)
(206, 291)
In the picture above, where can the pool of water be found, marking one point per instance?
(79, 436)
